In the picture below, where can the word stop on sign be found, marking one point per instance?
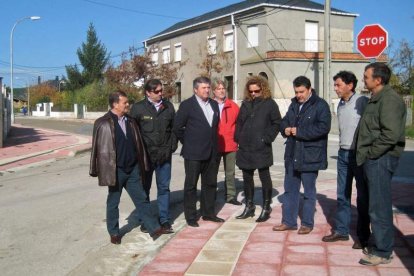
(372, 41)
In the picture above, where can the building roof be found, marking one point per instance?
(20, 94)
(305, 5)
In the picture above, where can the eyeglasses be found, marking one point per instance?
(156, 91)
(255, 91)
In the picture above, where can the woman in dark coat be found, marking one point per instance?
(256, 128)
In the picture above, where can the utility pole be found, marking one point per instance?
(28, 100)
(236, 61)
(327, 55)
(3, 128)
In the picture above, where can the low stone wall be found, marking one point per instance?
(93, 115)
(63, 114)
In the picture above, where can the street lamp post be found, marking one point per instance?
(11, 61)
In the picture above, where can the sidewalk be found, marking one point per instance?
(27, 146)
(244, 247)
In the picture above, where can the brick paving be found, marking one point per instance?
(244, 247)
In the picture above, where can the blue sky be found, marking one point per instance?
(45, 46)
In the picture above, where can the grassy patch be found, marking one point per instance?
(409, 132)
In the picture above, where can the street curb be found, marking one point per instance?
(83, 144)
(27, 166)
(80, 151)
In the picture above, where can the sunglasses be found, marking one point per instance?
(156, 91)
(255, 91)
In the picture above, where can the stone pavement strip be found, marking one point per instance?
(27, 146)
(244, 247)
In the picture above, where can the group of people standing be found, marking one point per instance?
(372, 138)
(128, 148)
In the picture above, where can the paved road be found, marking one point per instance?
(82, 127)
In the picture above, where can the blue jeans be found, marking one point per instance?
(133, 185)
(291, 197)
(162, 178)
(347, 170)
(378, 174)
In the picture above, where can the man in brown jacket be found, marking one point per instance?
(119, 161)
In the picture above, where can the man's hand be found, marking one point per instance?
(288, 131)
(293, 131)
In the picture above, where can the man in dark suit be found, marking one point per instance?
(195, 126)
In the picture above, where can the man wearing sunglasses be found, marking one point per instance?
(155, 117)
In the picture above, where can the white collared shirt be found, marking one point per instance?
(221, 105)
(207, 109)
(156, 105)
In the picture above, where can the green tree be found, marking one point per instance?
(93, 57)
(402, 63)
(75, 80)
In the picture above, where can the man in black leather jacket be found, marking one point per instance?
(155, 117)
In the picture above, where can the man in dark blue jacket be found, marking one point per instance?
(195, 126)
(306, 126)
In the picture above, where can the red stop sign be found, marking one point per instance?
(372, 40)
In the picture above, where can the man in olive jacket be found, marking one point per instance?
(155, 117)
(306, 126)
(119, 161)
(381, 140)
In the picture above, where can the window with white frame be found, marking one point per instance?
(252, 36)
(177, 52)
(228, 41)
(311, 36)
(212, 45)
(166, 54)
(154, 56)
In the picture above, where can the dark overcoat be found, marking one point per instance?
(256, 128)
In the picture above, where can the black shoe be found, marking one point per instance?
(234, 201)
(143, 229)
(213, 219)
(167, 226)
(157, 233)
(359, 245)
(335, 237)
(192, 223)
(116, 239)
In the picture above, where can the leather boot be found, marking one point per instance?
(266, 210)
(248, 210)
(250, 207)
